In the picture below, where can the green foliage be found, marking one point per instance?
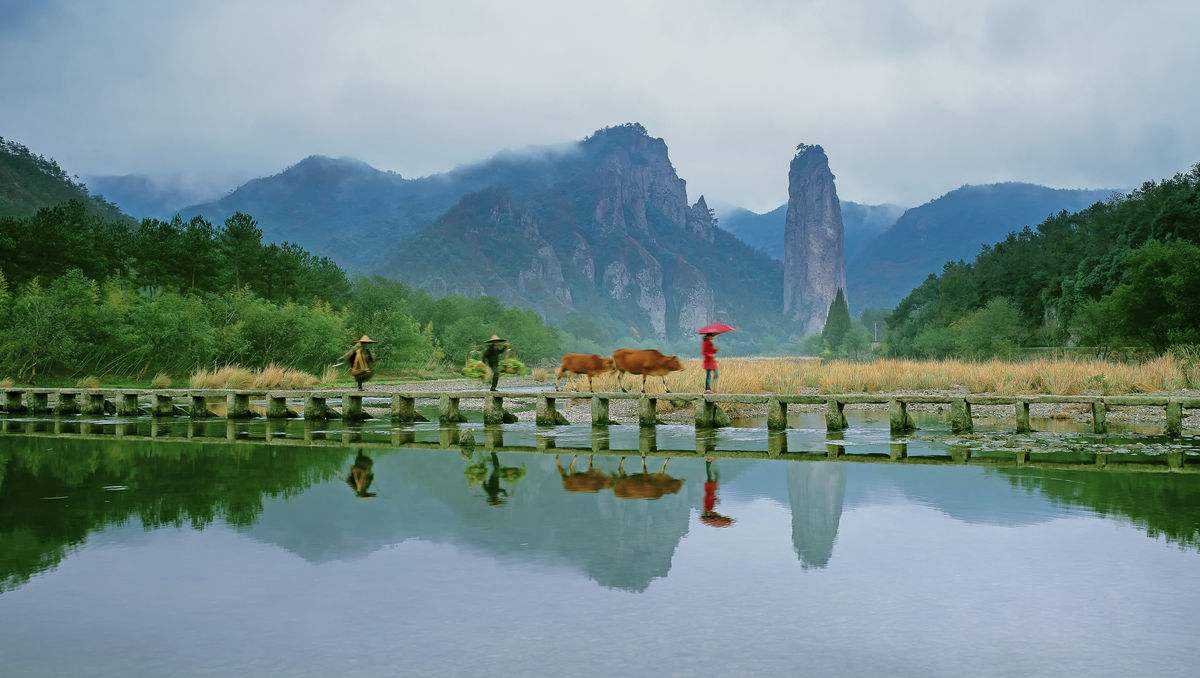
(29, 182)
(1120, 272)
(475, 369)
(512, 365)
(837, 322)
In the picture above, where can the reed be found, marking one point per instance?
(236, 376)
(1040, 376)
(87, 382)
(161, 380)
(6, 382)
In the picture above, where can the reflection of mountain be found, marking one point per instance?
(815, 493)
(620, 543)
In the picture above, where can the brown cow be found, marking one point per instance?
(644, 485)
(591, 480)
(583, 363)
(646, 362)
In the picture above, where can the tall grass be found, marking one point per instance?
(271, 376)
(791, 375)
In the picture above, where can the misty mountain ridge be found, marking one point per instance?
(764, 231)
(951, 227)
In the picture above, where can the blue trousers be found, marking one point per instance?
(710, 379)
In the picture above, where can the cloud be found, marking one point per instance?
(909, 98)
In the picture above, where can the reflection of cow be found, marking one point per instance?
(646, 362)
(583, 363)
(644, 485)
(591, 480)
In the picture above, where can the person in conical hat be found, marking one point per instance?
(493, 351)
(361, 361)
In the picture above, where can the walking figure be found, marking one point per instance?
(361, 361)
(492, 353)
(708, 351)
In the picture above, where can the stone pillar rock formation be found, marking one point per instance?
(814, 265)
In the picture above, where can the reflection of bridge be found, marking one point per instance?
(320, 405)
(454, 437)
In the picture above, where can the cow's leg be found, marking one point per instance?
(665, 389)
(645, 471)
(664, 466)
(620, 383)
(590, 459)
(590, 387)
(621, 467)
(643, 383)
(571, 464)
(557, 378)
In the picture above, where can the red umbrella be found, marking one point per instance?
(715, 328)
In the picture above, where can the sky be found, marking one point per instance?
(909, 99)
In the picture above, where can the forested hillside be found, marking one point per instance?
(29, 182)
(950, 228)
(1120, 273)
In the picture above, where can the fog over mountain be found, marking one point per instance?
(910, 99)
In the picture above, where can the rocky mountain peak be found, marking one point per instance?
(814, 265)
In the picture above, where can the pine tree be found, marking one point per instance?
(837, 322)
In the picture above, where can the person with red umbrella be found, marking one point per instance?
(708, 352)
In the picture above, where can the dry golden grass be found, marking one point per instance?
(6, 383)
(540, 374)
(792, 375)
(331, 374)
(235, 376)
(87, 382)
(161, 380)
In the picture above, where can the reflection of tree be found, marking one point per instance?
(815, 491)
(1162, 504)
(160, 484)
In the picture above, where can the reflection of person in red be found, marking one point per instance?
(712, 480)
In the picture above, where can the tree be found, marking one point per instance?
(837, 322)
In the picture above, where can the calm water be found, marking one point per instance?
(122, 558)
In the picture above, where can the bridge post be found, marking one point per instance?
(1174, 426)
(67, 403)
(960, 416)
(776, 415)
(316, 409)
(647, 441)
(835, 415)
(900, 421)
(404, 410)
(352, 408)
(14, 402)
(546, 414)
(1022, 457)
(1021, 411)
(164, 405)
(647, 411)
(777, 442)
(129, 405)
(40, 403)
(93, 403)
(199, 407)
(1099, 417)
(237, 406)
(493, 410)
(1175, 459)
(277, 407)
(960, 453)
(898, 451)
(448, 411)
(599, 411)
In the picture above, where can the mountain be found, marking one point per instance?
(952, 227)
(860, 222)
(157, 197)
(30, 182)
(602, 227)
(814, 264)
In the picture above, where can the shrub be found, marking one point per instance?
(87, 382)
(512, 365)
(475, 369)
(161, 380)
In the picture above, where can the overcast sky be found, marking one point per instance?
(910, 99)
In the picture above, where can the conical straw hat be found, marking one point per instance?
(366, 340)
(495, 338)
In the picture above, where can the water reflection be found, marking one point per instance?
(815, 495)
(361, 476)
(619, 526)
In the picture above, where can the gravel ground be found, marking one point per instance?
(578, 410)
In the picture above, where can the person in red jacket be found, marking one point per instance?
(709, 352)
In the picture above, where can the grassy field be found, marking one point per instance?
(791, 375)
